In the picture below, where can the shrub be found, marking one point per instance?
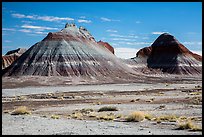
(148, 100)
(55, 116)
(182, 118)
(136, 116)
(86, 111)
(170, 118)
(106, 117)
(108, 108)
(148, 116)
(119, 116)
(92, 114)
(189, 125)
(22, 110)
(77, 115)
(195, 93)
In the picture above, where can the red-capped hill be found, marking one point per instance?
(71, 52)
(144, 52)
(169, 55)
(11, 56)
(168, 44)
(107, 45)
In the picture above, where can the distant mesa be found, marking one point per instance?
(170, 56)
(19, 51)
(11, 56)
(71, 52)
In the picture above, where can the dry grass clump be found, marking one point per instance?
(119, 116)
(195, 93)
(20, 97)
(80, 114)
(182, 118)
(196, 100)
(149, 100)
(86, 110)
(167, 84)
(108, 108)
(92, 114)
(160, 94)
(77, 115)
(50, 94)
(6, 111)
(136, 116)
(169, 118)
(189, 125)
(55, 116)
(148, 116)
(97, 103)
(137, 99)
(22, 110)
(107, 117)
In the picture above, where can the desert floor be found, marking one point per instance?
(74, 109)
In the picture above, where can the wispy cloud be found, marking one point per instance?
(38, 27)
(27, 22)
(35, 30)
(8, 29)
(52, 18)
(32, 32)
(110, 30)
(17, 15)
(84, 21)
(40, 32)
(145, 37)
(124, 36)
(103, 38)
(191, 33)
(82, 17)
(115, 44)
(25, 30)
(43, 18)
(191, 43)
(138, 22)
(135, 43)
(7, 41)
(122, 39)
(7, 47)
(125, 53)
(107, 19)
(158, 32)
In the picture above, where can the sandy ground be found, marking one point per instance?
(64, 101)
(34, 125)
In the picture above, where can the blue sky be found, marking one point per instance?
(127, 26)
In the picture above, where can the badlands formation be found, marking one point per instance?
(74, 53)
(70, 84)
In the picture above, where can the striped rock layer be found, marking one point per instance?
(107, 45)
(168, 55)
(11, 56)
(70, 52)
